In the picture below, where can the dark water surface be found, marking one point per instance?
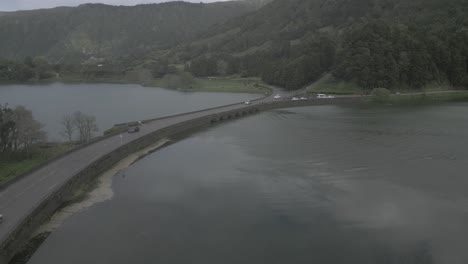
(319, 185)
(110, 103)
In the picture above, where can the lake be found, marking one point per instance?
(322, 184)
(110, 103)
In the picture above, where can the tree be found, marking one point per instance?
(28, 130)
(68, 127)
(7, 129)
(43, 68)
(380, 95)
(222, 67)
(86, 126)
(183, 80)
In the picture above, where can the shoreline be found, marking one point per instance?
(251, 85)
(423, 98)
(98, 192)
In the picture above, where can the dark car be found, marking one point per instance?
(133, 129)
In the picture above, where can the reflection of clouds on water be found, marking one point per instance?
(404, 217)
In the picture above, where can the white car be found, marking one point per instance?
(325, 96)
(295, 99)
(303, 98)
(247, 102)
(277, 96)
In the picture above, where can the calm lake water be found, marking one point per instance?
(322, 184)
(110, 103)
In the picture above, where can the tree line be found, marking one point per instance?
(374, 53)
(373, 43)
(79, 127)
(30, 69)
(20, 132)
(379, 54)
(282, 64)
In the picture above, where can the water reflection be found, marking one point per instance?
(309, 185)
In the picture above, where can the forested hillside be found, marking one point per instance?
(290, 43)
(94, 31)
(374, 43)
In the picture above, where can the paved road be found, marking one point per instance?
(20, 198)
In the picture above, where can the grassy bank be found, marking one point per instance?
(11, 167)
(329, 85)
(227, 85)
(426, 98)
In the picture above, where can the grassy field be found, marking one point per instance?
(328, 85)
(428, 98)
(11, 168)
(227, 85)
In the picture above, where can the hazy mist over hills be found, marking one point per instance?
(14, 5)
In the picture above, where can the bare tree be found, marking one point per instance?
(68, 127)
(86, 126)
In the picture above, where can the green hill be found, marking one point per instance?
(76, 34)
(373, 43)
(367, 43)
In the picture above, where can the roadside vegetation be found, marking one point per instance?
(13, 166)
(23, 143)
(383, 96)
(31, 69)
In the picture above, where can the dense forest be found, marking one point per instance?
(30, 69)
(374, 43)
(290, 43)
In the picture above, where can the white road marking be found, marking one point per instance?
(52, 186)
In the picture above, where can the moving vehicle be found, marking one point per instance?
(247, 102)
(134, 129)
(303, 98)
(1, 218)
(277, 96)
(295, 99)
(325, 96)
